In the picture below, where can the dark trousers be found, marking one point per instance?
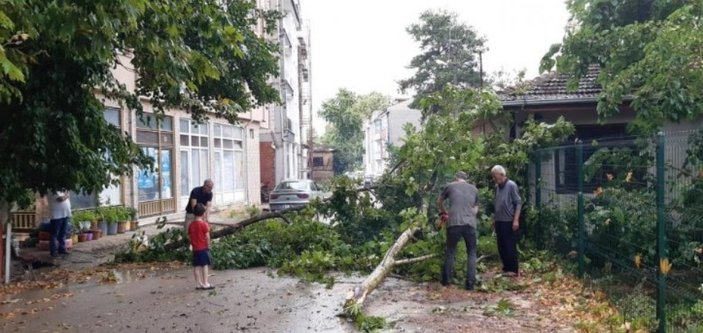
(454, 234)
(507, 245)
(58, 235)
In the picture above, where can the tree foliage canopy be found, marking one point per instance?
(450, 141)
(449, 54)
(57, 62)
(345, 114)
(650, 51)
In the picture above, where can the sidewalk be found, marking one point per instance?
(97, 252)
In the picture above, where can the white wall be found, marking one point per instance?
(398, 116)
(249, 121)
(287, 137)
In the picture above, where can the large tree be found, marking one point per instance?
(649, 52)
(449, 54)
(345, 115)
(56, 68)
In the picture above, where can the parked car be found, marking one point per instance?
(293, 193)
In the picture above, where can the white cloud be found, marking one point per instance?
(362, 45)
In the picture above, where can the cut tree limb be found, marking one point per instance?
(232, 229)
(226, 231)
(414, 260)
(358, 295)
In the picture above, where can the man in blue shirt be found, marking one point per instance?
(506, 219)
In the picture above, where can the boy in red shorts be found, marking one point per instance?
(199, 233)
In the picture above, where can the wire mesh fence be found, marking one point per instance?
(629, 210)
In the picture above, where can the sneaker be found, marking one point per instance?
(54, 255)
(469, 286)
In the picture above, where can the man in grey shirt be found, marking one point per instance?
(506, 220)
(463, 198)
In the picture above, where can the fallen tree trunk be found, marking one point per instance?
(232, 229)
(357, 296)
(226, 231)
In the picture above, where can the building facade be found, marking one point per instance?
(375, 144)
(322, 164)
(384, 128)
(548, 97)
(284, 140)
(185, 154)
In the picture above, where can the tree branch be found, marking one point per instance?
(232, 229)
(414, 260)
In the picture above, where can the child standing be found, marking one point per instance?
(199, 233)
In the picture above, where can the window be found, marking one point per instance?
(110, 195)
(378, 149)
(194, 158)
(293, 185)
(155, 137)
(565, 159)
(378, 125)
(318, 162)
(229, 160)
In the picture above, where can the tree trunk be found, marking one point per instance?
(358, 295)
(229, 230)
(5, 209)
(232, 229)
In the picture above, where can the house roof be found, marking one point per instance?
(401, 105)
(551, 88)
(319, 148)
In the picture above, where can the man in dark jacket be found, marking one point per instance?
(202, 195)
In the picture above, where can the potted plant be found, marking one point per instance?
(122, 216)
(111, 216)
(101, 220)
(97, 233)
(133, 218)
(74, 237)
(73, 232)
(94, 228)
(81, 219)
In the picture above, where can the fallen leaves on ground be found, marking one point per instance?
(567, 300)
(551, 301)
(60, 277)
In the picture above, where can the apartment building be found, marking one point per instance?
(285, 139)
(384, 128)
(185, 154)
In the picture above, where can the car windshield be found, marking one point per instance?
(293, 185)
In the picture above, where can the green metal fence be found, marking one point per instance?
(629, 211)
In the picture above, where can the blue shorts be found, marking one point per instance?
(201, 258)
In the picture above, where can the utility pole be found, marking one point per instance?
(480, 68)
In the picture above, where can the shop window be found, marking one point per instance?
(155, 138)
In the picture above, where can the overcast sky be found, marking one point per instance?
(362, 45)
